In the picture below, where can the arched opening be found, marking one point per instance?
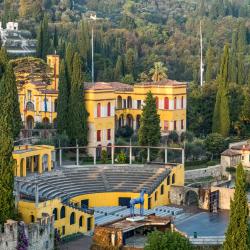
(30, 106)
(175, 103)
(55, 123)
(121, 121)
(98, 109)
(30, 122)
(168, 180)
(55, 214)
(45, 121)
(45, 162)
(80, 221)
(99, 152)
(22, 167)
(119, 102)
(72, 218)
(129, 102)
(191, 198)
(157, 102)
(166, 103)
(62, 212)
(173, 179)
(55, 105)
(182, 102)
(129, 121)
(138, 121)
(32, 218)
(45, 104)
(109, 149)
(109, 109)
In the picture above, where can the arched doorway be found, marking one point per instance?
(130, 121)
(138, 123)
(30, 106)
(30, 122)
(45, 121)
(119, 102)
(191, 198)
(45, 162)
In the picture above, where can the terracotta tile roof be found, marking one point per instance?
(50, 91)
(230, 152)
(116, 86)
(166, 82)
(241, 147)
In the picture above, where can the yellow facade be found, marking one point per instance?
(62, 220)
(33, 159)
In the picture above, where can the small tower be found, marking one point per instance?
(54, 62)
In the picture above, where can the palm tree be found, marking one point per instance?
(159, 72)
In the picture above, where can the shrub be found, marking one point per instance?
(121, 158)
(104, 156)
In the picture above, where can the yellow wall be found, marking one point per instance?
(27, 208)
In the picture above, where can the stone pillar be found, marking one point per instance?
(49, 162)
(166, 155)
(18, 168)
(94, 156)
(77, 155)
(112, 154)
(37, 194)
(32, 164)
(130, 154)
(60, 157)
(183, 156)
(24, 166)
(148, 156)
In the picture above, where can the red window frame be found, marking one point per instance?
(98, 109)
(98, 135)
(109, 109)
(109, 134)
(166, 103)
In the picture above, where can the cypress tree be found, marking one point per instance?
(237, 231)
(39, 49)
(221, 116)
(7, 206)
(69, 56)
(77, 129)
(149, 131)
(209, 62)
(63, 99)
(241, 69)
(118, 72)
(242, 38)
(45, 38)
(233, 59)
(55, 39)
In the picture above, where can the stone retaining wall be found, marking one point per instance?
(214, 171)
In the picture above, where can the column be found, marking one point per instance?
(49, 162)
(130, 154)
(94, 156)
(18, 167)
(148, 156)
(24, 166)
(60, 157)
(183, 156)
(166, 155)
(112, 154)
(77, 155)
(40, 164)
(32, 164)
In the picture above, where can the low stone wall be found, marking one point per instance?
(214, 171)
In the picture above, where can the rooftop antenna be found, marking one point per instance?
(201, 63)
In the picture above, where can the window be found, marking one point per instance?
(174, 125)
(173, 179)
(182, 102)
(29, 95)
(124, 103)
(166, 125)
(30, 106)
(129, 102)
(138, 104)
(109, 109)
(156, 194)
(85, 203)
(80, 221)
(89, 224)
(62, 212)
(72, 218)
(32, 218)
(175, 103)
(162, 189)
(98, 109)
(157, 102)
(98, 135)
(182, 124)
(109, 134)
(168, 180)
(55, 213)
(166, 103)
(63, 230)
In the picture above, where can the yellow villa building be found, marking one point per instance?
(110, 105)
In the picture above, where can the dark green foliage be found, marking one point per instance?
(237, 231)
(124, 131)
(55, 39)
(233, 59)
(240, 69)
(104, 156)
(221, 116)
(63, 101)
(215, 144)
(77, 128)
(149, 131)
(119, 69)
(167, 241)
(69, 56)
(209, 64)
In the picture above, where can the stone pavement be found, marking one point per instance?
(79, 244)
